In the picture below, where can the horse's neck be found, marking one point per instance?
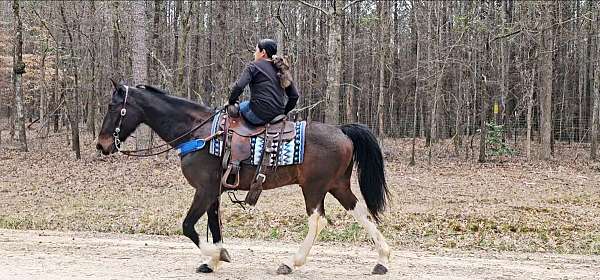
(170, 120)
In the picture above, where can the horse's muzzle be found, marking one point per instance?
(106, 145)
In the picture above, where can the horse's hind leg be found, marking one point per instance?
(214, 225)
(199, 206)
(360, 212)
(314, 198)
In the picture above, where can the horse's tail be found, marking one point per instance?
(369, 163)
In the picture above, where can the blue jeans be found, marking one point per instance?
(249, 115)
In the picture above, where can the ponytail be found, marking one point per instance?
(283, 70)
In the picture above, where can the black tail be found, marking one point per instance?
(369, 162)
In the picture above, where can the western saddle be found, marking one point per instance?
(237, 148)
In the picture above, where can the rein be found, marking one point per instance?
(136, 153)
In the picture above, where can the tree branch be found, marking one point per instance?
(45, 25)
(506, 35)
(351, 85)
(307, 107)
(314, 7)
(351, 3)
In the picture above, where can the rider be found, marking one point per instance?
(267, 93)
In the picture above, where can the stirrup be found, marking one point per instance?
(232, 170)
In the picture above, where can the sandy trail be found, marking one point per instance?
(88, 255)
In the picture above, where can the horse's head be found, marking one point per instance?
(122, 117)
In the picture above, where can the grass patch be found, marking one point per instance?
(353, 232)
(22, 223)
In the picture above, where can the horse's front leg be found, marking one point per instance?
(314, 197)
(214, 225)
(200, 204)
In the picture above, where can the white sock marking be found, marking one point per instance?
(316, 223)
(361, 214)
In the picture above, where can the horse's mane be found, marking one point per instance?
(175, 100)
(152, 89)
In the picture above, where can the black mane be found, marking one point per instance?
(152, 89)
(175, 100)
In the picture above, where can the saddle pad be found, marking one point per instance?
(290, 152)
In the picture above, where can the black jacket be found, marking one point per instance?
(267, 97)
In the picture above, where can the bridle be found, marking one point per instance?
(138, 153)
(118, 127)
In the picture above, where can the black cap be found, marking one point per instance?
(269, 45)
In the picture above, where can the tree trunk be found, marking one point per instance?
(350, 90)
(155, 77)
(18, 71)
(179, 85)
(584, 59)
(139, 50)
(505, 56)
(596, 95)
(334, 57)
(140, 63)
(546, 78)
(116, 46)
(207, 79)
(196, 49)
(221, 43)
(72, 99)
(483, 118)
(175, 58)
(91, 114)
(530, 112)
(55, 98)
(595, 117)
(416, 92)
(383, 26)
(581, 89)
(44, 93)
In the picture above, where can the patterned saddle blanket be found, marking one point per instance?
(291, 151)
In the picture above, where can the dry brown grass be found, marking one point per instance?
(505, 205)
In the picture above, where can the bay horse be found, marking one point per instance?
(330, 154)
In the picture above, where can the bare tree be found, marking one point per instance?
(417, 48)
(384, 22)
(139, 62)
(596, 94)
(546, 78)
(71, 84)
(18, 71)
(183, 37)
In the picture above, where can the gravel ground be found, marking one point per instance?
(87, 255)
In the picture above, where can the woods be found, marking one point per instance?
(444, 72)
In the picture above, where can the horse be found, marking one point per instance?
(330, 154)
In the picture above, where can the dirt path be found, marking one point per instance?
(86, 255)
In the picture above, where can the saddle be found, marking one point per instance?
(237, 148)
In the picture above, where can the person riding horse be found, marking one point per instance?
(269, 82)
(327, 155)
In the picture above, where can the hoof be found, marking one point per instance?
(284, 269)
(224, 255)
(204, 268)
(379, 269)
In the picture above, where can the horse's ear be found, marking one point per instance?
(115, 84)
